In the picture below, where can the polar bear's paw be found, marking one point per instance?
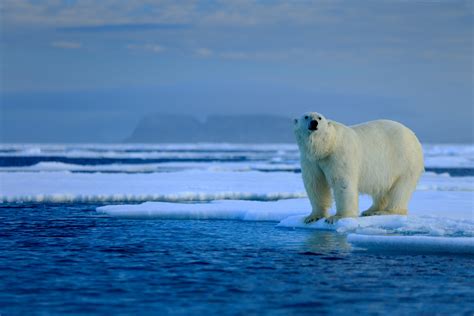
(371, 213)
(312, 218)
(333, 219)
(386, 212)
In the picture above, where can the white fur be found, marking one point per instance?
(382, 158)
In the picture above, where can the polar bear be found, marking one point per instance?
(380, 158)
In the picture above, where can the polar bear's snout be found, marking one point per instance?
(313, 125)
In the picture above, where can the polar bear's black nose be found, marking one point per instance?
(313, 125)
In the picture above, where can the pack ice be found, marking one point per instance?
(239, 182)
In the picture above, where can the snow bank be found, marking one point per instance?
(418, 244)
(169, 186)
(188, 185)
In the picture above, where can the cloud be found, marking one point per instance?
(203, 52)
(244, 13)
(128, 27)
(249, 54)
(142, 15)
(148, 47)
(66, 44)
(98, 16)
(145, 15)
(239, 55)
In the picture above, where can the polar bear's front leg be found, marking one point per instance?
(347, 200)
(319, 192)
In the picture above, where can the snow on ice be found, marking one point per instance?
(189, 185)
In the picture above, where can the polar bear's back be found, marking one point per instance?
(392, 151)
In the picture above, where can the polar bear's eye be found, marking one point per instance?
(319, 118)
(306, 117)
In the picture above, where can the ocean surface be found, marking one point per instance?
(221, 232)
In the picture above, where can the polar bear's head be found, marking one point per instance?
(309, 122)
(314, 134)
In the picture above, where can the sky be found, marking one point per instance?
(88, 71)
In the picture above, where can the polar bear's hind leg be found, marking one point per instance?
(399, 195)
(378, 206)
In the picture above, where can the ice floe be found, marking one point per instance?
(451, 219)
(416, 244)
(390, 224)
(188, 185)
(215, 210)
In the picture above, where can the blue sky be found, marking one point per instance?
(89, 70)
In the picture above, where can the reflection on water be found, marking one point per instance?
(327, 241)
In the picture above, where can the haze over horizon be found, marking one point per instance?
(88, 71)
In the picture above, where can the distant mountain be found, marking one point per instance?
(160, 128)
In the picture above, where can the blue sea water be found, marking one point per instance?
(67, 259)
